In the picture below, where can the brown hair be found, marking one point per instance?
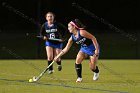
(50, 13)
(79, 23)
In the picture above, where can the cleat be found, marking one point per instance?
(59, 67)
(79, 80)
(96, 76)
(50, 71)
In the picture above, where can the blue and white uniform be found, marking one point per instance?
(86, 44)
(56, 31)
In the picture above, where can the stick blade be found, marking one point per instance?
(34, 79)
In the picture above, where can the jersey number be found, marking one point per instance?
(52, 36)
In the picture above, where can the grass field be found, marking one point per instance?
(116, 76)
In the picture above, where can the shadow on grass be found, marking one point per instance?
(65, 86)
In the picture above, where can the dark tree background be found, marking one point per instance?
(20, 19)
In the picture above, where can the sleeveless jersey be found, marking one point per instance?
(84, 42)
(51, 32)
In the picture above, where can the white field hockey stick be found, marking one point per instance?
(41, 74)
(50, 38)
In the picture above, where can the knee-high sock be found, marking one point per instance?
(96, 70)
(51, 67)
(58, 62)
(78, 68)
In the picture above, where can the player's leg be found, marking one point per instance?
(94, 67)
(49, 51)
(78, 66)
(58, 61)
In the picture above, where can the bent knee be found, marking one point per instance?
(50, 58)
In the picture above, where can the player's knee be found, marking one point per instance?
(50, 58)
(78, 61)
(59, 59)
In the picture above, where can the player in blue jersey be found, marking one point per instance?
(51, 30)
(89, 47)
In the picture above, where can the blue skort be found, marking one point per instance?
(54, 45)
(89, 50)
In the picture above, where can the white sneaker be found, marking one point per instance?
(96, 76)
(79, 80)
(50, 71)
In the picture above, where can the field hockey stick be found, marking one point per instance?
(55, 39)
(41, 74)
(40, 37)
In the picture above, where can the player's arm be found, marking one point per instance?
(65, 50)
(90, 36)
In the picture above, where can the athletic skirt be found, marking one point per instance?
(54, 45)
(89, 50)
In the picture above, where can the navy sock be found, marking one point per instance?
(96, 70)
(51, 67)
(58, 62)
(78, 68)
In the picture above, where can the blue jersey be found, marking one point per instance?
(86, 44)
(81, 40)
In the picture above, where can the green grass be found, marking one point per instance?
(116, 76)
